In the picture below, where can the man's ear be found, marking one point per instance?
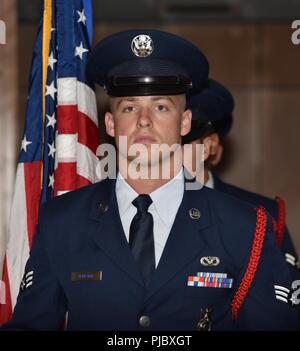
(215, 143)
(186, 122)
(109, 124)
(216, 158)
(207, 143)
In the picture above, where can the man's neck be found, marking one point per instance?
(147, 186)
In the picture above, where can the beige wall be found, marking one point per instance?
(261, 66)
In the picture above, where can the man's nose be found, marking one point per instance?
(144, 118)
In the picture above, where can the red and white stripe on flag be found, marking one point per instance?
(77, 138)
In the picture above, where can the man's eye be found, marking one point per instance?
(129, 109)
(161, 108)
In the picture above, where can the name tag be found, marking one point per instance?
(86, 276)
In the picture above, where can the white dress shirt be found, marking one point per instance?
(166, 202)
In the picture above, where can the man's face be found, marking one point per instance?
(148, 120)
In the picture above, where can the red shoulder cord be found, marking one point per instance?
(258, 241)
(280, 223)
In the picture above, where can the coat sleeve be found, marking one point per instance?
(41, 303)
(267, 304)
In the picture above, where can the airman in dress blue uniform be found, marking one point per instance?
(147, 254)
(212, 110)
(213, 117)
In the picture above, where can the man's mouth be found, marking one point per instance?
(144, 139)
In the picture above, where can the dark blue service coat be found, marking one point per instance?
(81, 263)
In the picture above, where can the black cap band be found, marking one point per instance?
(148, 85)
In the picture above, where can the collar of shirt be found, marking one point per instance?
(166, 199)
(210, 182)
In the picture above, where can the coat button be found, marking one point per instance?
(144, 321)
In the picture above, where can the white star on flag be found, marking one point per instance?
(80, 50)
(51, 90)
(82, 17)
(25, 142)
(51, 181)
(51, 120)
(51, 149)
(51, 61)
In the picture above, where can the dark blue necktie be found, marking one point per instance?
(141, 239)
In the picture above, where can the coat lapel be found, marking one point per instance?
(108, 234)
(186, 239)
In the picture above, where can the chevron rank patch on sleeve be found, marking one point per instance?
(26, 281)
(284, 294)
(292, 260)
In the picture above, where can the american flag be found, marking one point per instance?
(58, 150)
